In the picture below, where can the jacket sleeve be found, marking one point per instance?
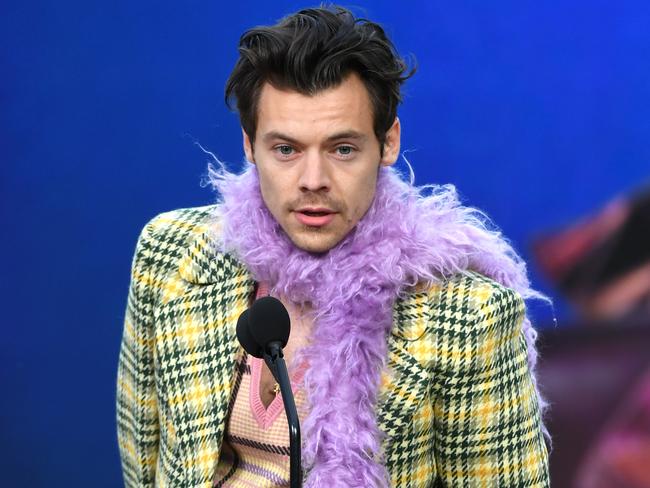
(487, 417)
(137, 413)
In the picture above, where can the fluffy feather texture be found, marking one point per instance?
(408, 235)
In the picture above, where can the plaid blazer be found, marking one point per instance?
(456, 403)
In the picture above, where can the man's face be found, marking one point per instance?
(318, 160)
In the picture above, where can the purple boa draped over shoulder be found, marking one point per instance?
(408, 236)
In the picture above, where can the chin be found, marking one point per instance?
(315, 244)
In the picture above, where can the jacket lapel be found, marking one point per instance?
(197, 351)
(406, 378)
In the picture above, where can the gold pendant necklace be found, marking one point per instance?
(276, 386)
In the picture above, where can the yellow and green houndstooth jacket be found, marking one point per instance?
(456, 403)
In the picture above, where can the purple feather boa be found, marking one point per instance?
(408, 235)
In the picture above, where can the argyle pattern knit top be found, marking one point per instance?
(457, 405)
(255, 451)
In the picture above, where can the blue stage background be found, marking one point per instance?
(537, 111)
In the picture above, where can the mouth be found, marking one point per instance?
(314, 217)
(315, 210)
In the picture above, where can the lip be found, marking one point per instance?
(314, 220)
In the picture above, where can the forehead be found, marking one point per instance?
(344, 107)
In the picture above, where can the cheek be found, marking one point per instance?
(365, 192)
(269, 193)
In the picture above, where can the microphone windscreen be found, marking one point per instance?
(244, 335)
(269, 321)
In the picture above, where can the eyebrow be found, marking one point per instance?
(346, 134)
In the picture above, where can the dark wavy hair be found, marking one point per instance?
(312, 50)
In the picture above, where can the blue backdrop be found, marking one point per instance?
(537, 111)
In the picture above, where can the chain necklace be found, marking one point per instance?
(276, 386)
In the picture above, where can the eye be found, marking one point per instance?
(284, 151)
(345, 151)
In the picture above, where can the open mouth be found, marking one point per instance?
(315, 213)
(314, 218)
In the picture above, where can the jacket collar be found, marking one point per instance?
(202, 264)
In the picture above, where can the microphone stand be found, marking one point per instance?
(274, 359)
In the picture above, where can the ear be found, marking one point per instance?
(248, 147)
(392, 144)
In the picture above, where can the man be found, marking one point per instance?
(410, 353)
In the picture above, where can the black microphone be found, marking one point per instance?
(263, 330)
(245, 337)
(269, 323)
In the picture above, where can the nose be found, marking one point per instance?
(314, 176)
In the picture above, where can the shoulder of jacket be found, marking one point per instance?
(180, 224)
(472, 305)
(166, 239)
(460, 304)
(471, 286)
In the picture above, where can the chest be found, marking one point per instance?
(196, 353)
